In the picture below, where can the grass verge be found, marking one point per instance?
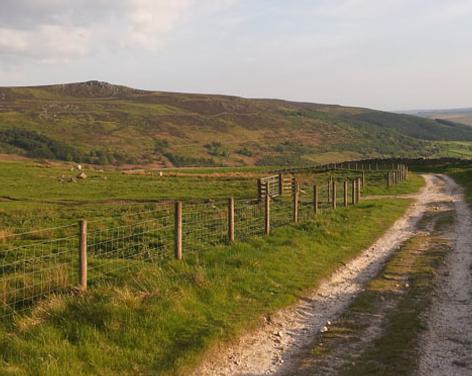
(162, 319)
(411, 185)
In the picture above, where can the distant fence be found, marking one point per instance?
(284, 183)
(360, 165)
(36, 264)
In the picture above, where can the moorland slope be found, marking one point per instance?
(98, 122)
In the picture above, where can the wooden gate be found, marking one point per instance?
(275, 185)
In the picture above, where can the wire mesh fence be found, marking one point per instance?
(38, 263)
(204, 225)
(249, 219)
(32, 271)
(145, 237)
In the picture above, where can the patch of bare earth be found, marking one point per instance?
(275, 348)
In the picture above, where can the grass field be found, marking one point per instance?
(30, 181)
(37, 194)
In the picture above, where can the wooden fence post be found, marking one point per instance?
(388, 180)
(83, 255)
(363, 180)
(315, 199)
(267, 215)
(295, 203)
(345, 194)
(329, 189)
(281, 185)
(259, 189)
(358, 190)
(178, 230)
(333, 192)
(231, 220)
(353, 192)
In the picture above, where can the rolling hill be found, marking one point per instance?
(460, 115)
(98, 122)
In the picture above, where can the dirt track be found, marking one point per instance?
(273, 349)
(447, 344)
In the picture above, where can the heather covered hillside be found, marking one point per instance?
(101, 123)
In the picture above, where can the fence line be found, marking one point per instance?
(92, 252)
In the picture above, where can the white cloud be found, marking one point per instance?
(151, 20)
(58, 30)
(47, 43)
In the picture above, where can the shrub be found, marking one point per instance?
(245, 151)
(216, 149)
(36, 145)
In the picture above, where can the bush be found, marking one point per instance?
(245, 151)
(36, 145)
(216, 149)
(161, 145)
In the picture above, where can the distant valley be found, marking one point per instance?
(461, 115)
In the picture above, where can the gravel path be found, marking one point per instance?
(447, 344)
(273, 349)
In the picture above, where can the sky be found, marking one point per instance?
(384, 54)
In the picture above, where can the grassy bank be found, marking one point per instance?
(162, 319)
(378, 185)
(463, 176)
